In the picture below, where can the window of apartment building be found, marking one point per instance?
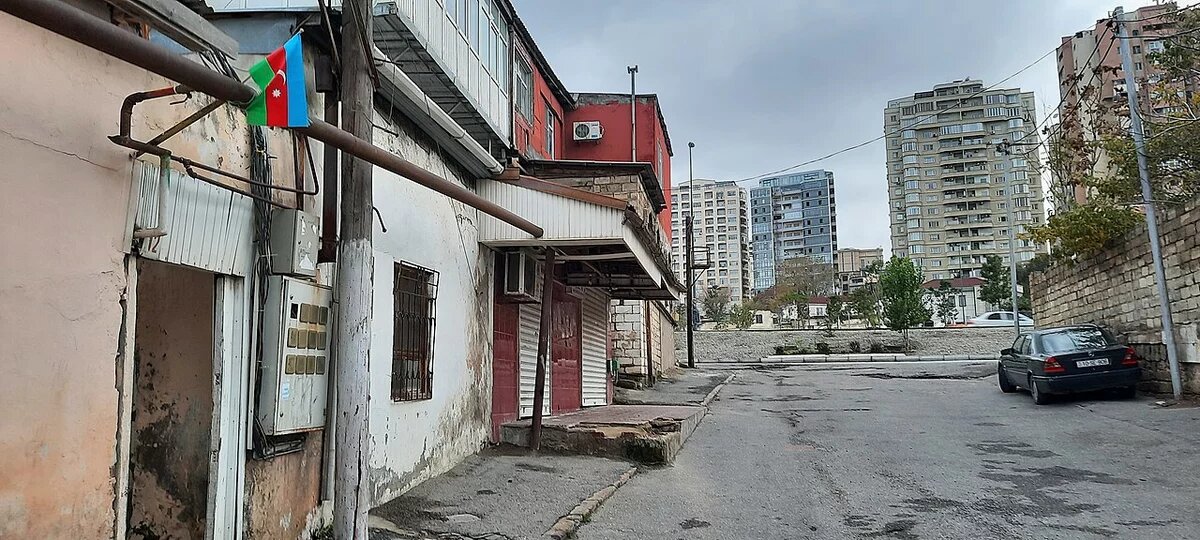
(909, 146)
(523, 76)
(1018, 162)
(1016, 122)
(914, 237)
(998, 166)
(929, 159)
(551, 120)
(913, 224)
(912, 171)
(909, 160)
(1155, 46)
(1021, 175)
(931, 172)
(912, 184)
(912, 197)
(414, 299)
(931, 185)
(913, 211)
(927, 147)
(909, 134)
(931, 211)
(1137, 66)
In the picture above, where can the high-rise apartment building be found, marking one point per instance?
(1091, 85)
(949, 185)
(722, 226)
(792, 215)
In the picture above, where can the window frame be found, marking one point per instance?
(414, 328)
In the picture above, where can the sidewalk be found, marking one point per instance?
(689, 387)
(509, 493)
(498, 494)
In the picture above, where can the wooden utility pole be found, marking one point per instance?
(354, 283)
(543, 351)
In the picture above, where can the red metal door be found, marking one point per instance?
(505, 365)
(566, 353)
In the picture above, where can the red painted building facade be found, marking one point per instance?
(612, 111)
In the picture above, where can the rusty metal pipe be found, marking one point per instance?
(137, 97)
(183, 124)
(72, 23)
(344, 141)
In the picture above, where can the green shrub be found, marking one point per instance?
(854, 347)
(876, 347)
(823, 348)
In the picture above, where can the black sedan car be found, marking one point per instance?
(1066, 360)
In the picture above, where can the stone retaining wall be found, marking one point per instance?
(752, 345)
(1116, 288)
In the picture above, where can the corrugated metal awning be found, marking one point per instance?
(598, 237)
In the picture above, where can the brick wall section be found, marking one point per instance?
(1116, 288)
(627, 187)
(628, 337)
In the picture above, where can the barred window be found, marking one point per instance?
(414, 296)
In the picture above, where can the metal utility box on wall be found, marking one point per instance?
(295, 368)
(295, 239)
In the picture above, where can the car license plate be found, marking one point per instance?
(1092, 363)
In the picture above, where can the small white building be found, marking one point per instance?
(966, 293)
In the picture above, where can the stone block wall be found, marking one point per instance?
(628, 334)
(626, 187)
(1116, 288)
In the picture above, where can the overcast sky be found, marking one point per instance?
(760, 85)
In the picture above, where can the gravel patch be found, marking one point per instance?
(751, 345)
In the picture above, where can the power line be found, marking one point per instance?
(1075, 84)
(916, 122)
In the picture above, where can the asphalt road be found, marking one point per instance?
(915, 452)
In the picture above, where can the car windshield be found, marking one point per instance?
(1075, 339)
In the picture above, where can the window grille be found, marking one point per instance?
(414, 296)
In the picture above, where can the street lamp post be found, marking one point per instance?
(687, 264)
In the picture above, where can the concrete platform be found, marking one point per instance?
(651, 434)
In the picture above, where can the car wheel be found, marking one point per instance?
(1128, 392)
(1039, 397)
(1006, 385)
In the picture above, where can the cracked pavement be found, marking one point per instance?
(911, 451)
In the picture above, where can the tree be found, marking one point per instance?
(800, 302)
(864, 301)
(716, 304)
(900, 287)
(741, 316)
(835, 311)
(1171, 120)
(944, 302)
(997, 291)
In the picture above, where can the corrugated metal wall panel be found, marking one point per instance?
(530, 317)
(208, 227)
(595, 347)
(561, 217)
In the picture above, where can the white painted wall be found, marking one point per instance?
(415, 440)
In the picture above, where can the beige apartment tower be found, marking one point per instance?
(722, 226)
(950, 187)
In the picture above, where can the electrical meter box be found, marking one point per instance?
(295, 367)
(295, 239)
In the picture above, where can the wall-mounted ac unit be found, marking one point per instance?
(588, 131)
(520, 277)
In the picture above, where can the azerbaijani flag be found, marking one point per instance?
(281, 99)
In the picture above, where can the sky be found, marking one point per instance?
(761, 85)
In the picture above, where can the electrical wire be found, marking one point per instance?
(887, 134)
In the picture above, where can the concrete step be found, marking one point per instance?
(651, 434)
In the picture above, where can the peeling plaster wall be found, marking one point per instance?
(62, 219)
(415, 440)
(282, 493)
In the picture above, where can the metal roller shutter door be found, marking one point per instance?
(528, 341)
(595, 347)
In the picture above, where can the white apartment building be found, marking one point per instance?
(950, 187)
(722, 226)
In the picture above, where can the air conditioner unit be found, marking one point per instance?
(588, 131)
(520, 277)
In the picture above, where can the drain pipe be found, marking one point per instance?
(73, 23)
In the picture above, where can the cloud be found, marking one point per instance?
(762, 84)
